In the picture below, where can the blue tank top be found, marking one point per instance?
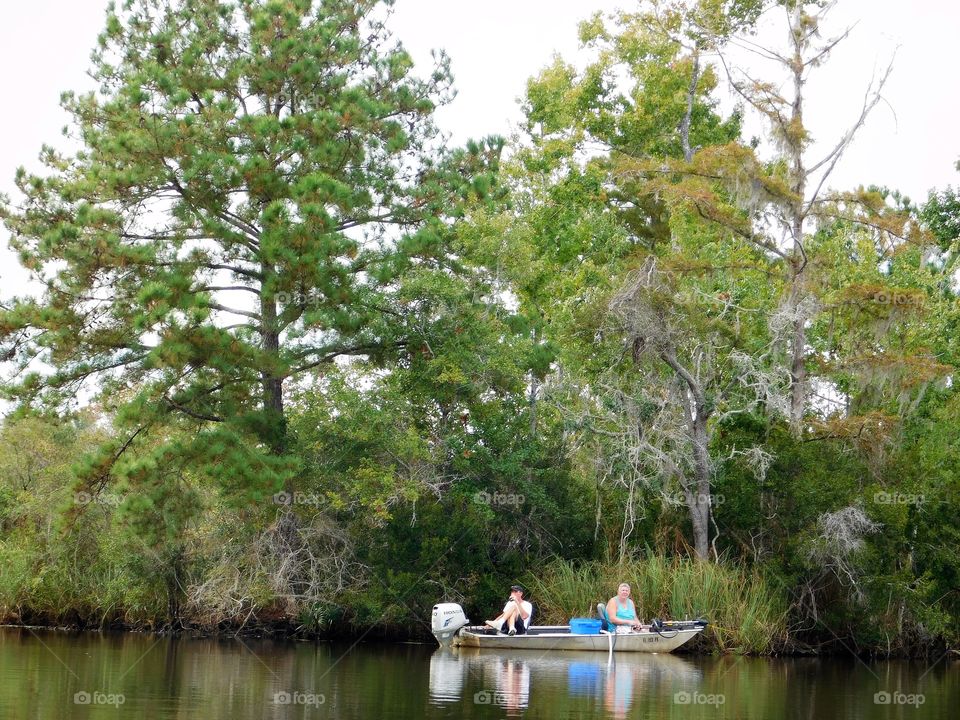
(626, 612)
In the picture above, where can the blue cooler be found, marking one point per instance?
(584, 626)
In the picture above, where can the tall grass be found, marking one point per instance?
(93, 583)
(746, 613)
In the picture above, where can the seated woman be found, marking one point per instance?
(621, 612)
(516, 614)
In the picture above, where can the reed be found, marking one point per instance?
(748, 615)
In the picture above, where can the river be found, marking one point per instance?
(49, 675)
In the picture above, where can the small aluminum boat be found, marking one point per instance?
(450, 628)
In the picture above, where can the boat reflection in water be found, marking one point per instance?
(617, 682)
(507, 678)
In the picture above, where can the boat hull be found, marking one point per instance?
(560, 638)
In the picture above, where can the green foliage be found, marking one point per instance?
(339, 371)
(941, 213)
(65, 556)
(254, 183)
(748, 615)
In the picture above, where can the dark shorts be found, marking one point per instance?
(520, 625)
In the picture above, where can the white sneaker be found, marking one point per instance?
(495, 624)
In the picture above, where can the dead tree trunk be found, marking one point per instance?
(697, 489)
(795, 138)
(806, 50)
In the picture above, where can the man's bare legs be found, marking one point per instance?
(511, 615)
(508, 619)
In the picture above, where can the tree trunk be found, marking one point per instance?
(795, 138)
(688, 115)
(275, 433)
(798, 369)
(698, 493)
(534, 391)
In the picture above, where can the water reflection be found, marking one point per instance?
(505, 679)
(65, 676)
(624, 678)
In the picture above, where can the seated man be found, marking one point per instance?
(516, 614)
(621, 612)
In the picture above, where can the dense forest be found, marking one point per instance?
(293, 362)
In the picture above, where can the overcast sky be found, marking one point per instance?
(910, 143)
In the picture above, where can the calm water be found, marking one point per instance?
(50, 675)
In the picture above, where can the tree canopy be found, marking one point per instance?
(255, 181)
(307, 360)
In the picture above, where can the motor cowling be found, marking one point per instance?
(447, 619)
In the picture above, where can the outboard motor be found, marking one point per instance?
(447, 619)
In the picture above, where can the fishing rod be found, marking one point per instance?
(670, 628)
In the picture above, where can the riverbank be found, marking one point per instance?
(275, 631)
(750, 613)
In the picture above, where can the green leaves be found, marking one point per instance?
(255, 182)
(941, 213)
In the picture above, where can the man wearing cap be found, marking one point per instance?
(516, 614)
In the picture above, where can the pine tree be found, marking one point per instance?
(255, 177)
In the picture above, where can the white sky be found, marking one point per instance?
(911, 143)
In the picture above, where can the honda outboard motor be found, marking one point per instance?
(447, 619)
